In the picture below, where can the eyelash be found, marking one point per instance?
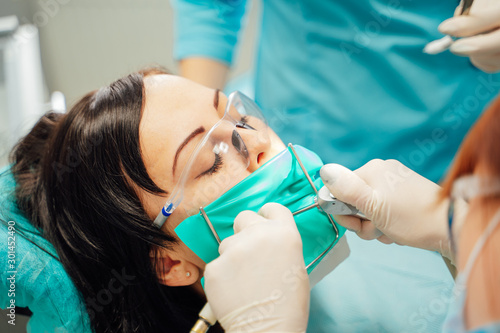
(216, 167)
(244, 119)
(218, 157)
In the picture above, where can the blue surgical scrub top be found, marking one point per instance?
(348, 79)
(30, 277)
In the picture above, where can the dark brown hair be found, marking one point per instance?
(75, 176)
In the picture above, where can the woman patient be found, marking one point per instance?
(95, 178)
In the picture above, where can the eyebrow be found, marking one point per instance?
(197, 131)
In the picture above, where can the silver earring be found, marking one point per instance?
(188, 274)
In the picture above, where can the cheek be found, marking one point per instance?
(204, 191)
(198, 194)
(190, 256)
(180, 248)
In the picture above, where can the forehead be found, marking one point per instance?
(173, 93)
(174, 108)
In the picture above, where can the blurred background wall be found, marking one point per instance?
(86, 44)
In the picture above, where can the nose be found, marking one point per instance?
(261, 145)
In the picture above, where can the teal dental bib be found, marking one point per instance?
(280, 180)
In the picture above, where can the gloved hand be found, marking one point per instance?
(401, 205)
(480, 29)
(259, 283)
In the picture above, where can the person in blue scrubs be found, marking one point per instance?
(349, 80)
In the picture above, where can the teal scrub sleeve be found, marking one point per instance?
(207, 28)
(36, 279)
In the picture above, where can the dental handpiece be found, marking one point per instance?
(205, 321)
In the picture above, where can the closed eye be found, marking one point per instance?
(214, 168)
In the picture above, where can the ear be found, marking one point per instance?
(173, 270)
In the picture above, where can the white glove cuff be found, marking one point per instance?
(260, 317)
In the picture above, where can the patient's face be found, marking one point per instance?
(177, 114)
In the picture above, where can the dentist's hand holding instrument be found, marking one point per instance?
(276, 293)
(382, 190)
(398, 205)
(476, 25)
(480, 34)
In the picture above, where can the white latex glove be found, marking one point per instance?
(259, 283)
(401, 205)
(480, 29)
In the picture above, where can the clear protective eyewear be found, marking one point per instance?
(223, 146)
